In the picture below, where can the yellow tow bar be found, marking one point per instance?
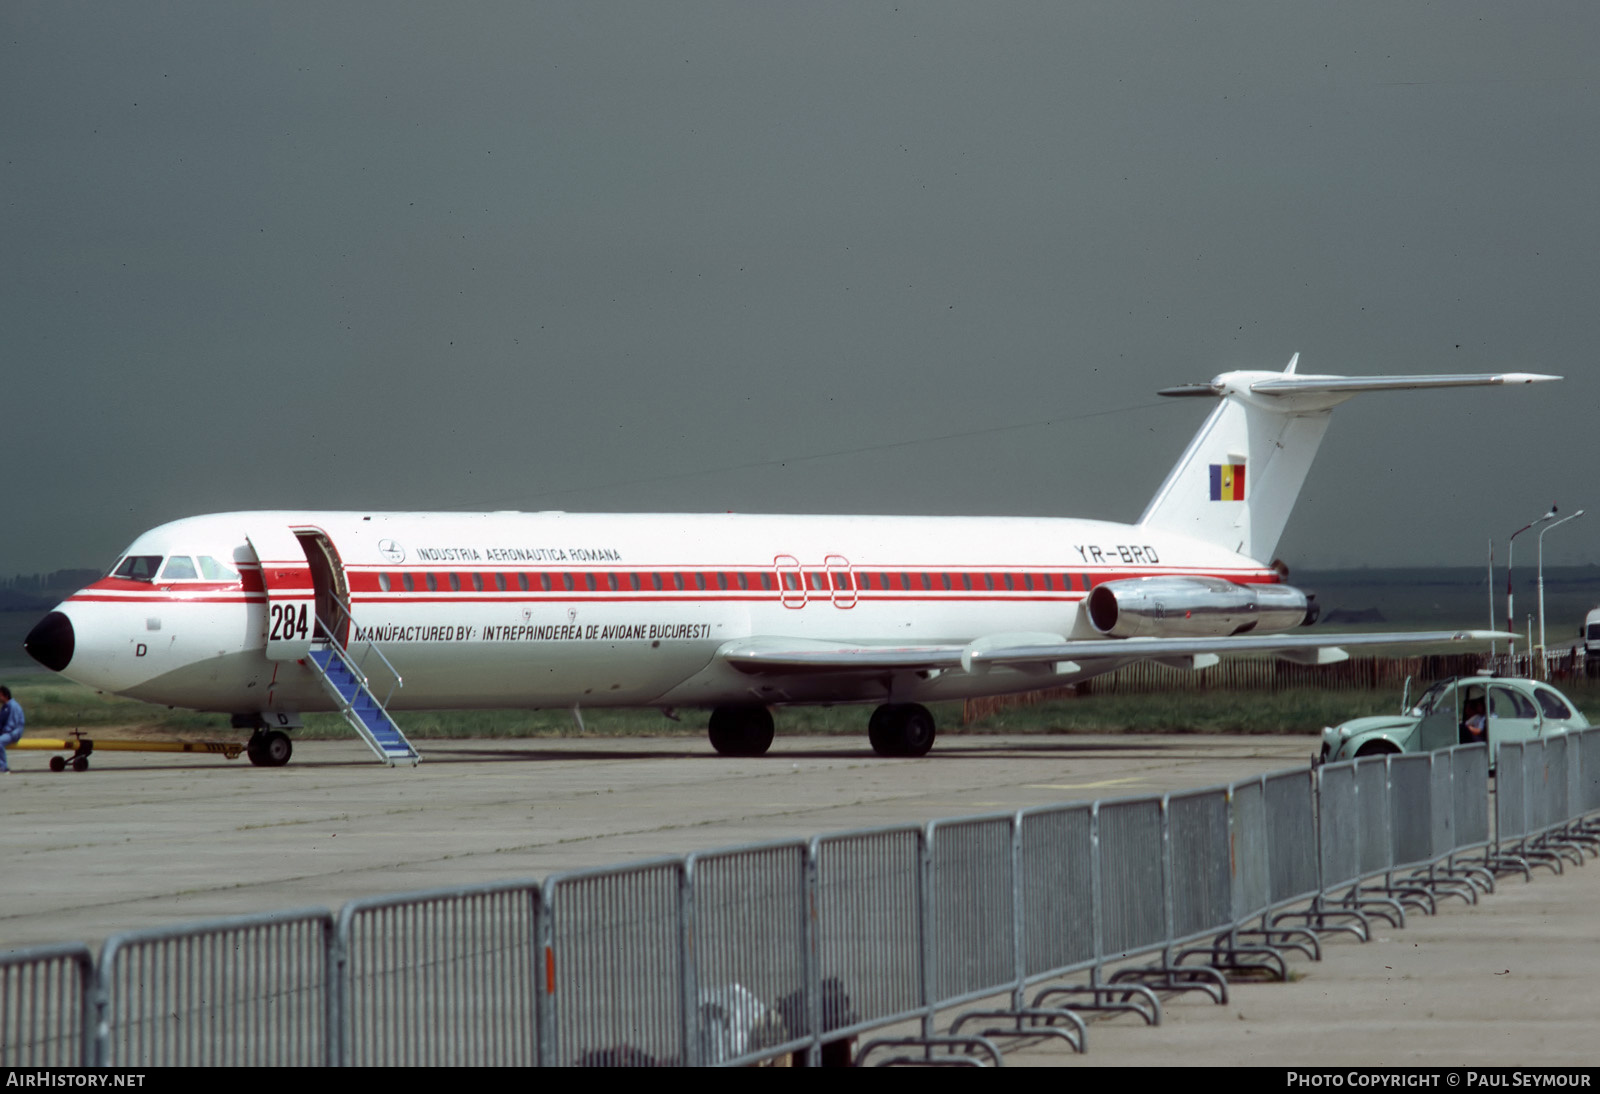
(81, 745)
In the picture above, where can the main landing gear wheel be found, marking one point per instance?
(901, 729)
(741, 731)
(269, 749)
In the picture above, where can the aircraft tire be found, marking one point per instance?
(58, 763)
(270, 749)
(741, 731)
(901, 729)
(80, 763)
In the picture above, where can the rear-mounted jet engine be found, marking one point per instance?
(1196, 607)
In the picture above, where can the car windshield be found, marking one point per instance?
(1432, 697)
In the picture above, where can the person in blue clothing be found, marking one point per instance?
(11, 722)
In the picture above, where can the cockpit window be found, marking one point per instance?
(179, 568)
(138, 567)
(212, 570)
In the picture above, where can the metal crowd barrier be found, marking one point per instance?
(1542, 794)
(753, 951)
(448, 977)
(616, 967)
(47, 1006)
(850, 945)
(252, 991)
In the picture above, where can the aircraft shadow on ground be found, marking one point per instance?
(967, 751)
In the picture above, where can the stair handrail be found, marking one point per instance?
(358, 666)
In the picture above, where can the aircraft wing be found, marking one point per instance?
(777, 656)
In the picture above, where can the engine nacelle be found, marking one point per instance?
(1196, 607)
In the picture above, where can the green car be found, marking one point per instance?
(1460, 710)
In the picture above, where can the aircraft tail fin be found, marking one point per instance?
(1237, 482)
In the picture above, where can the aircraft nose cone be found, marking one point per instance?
(51, 642)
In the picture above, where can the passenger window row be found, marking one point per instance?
(672, 581)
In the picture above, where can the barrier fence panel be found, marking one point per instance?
(1338, 824)
(1589, 765)
(1293, 856)
(1535, 780)
(1554, 791)
(1441, 802)
(869, 927)
(1199, 863)
(1469, 792)
(1249, 846)
(750, 948)
(614, 979)
(971, 912)
(1575, 807)
(1510, 815)
(253, 991)
(1058, 890)
(1372, 800)
(443, 978)
(46, 1006)
(1544, 791)
(1132, 897)
(1411, 809)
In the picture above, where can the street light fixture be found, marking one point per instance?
(1511, 548)
(1542, 531)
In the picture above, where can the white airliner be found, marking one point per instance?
(265, 615)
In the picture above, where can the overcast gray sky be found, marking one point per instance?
(862, 257)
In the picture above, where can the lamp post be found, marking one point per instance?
(1511, 549)
(1542, 531)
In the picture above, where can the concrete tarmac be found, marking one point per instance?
(149, 840)
(1512, 982)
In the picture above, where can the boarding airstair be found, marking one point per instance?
(344, 675)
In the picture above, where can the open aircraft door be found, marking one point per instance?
(291, 592)
(327, 578)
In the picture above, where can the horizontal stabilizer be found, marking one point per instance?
(1236, 483)
(1286, 385)
(1281, 384)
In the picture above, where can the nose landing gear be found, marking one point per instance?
(269, 748)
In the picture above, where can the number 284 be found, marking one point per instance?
(288, 622)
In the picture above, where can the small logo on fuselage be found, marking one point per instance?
(391, 551)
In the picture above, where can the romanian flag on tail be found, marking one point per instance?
(1227, 482)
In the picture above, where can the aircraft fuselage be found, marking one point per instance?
(551, 610)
